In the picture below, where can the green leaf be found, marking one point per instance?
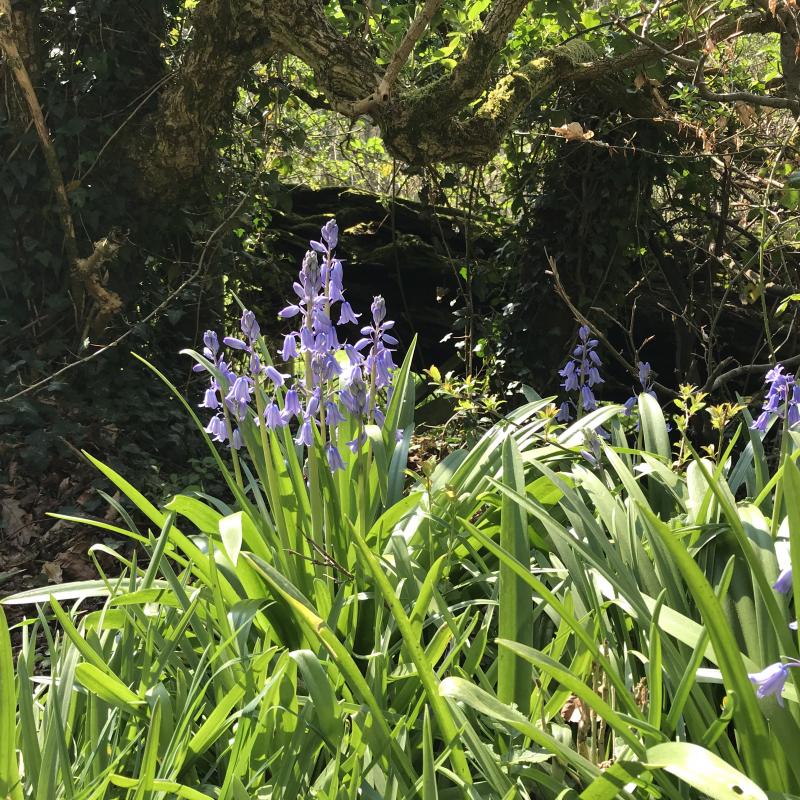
(149, 765)
(756, 742)
(197, 512)
(322, 696)
(230, 531)
(484, 703)
(515, 612)
(10, 786)
(704, 771)
(108, 687)
(654, 426)
(792, 298)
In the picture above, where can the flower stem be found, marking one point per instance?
(237, 469)
(272, 479)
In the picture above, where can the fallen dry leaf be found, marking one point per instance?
(53, 571)
(573, 710)
(745, 112)
(573, 132)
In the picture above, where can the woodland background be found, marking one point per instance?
(157, 158)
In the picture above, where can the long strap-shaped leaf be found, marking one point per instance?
(307, 616)
(755, 741)
(515, 612)
(425, 671)
(10, 786)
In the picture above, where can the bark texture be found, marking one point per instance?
(474, 106)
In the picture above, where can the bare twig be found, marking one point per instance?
(648, 19)
(418, 26)
(696, 68)
(130, 116)
(748, 369)
(399, 59)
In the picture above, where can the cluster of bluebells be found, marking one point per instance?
(333, 376)
(581, 373)
(646, 382)
(771, 679)
(783, 396)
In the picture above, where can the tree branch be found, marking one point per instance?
(698, 78)
(8, 45)
(475, 139)
(174, 145)
(418, 26)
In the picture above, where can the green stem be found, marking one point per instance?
(237, 470)
(272, 480)
(362, 486)
(315, 494)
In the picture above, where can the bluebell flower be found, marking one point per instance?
(217, 428)
(587, 398)
(580, 374)
(570, 375)
(346, 314)
(330, 234)
(329, 367)
(277, 378)
(289, 349)
(249, 325)
(236, 344)
(378, 309)
(784, 581)
(761, 422)
(210, 399)
(237, 409)
(363, 385)
(305, 435)
(312, 406)
(646, 382)
(273, 417)
(563, 412)
(307, 339)
(226, 372)
(356, 444)
(210, 349)
(629, 404)
(793, 417)
(334, 457)
(211, 342)
(240, 390)
(378, 363)
(291, 404)
(771, 680)
(334, 277)
(236, 440)
(783, 396)
(333, 415)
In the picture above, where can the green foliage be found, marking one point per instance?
(521, 623)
